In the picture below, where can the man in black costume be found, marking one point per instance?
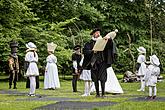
(99, 61)
(76, 58)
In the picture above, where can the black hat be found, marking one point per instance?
(96, 29)
(13, 46)
(77, 47)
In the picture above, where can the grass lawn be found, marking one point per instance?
(10, 102)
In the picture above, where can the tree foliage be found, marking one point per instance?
(69, 22)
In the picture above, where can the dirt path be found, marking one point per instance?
(64, 103)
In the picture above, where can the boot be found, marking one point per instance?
(14, 86)
(9, 86)
(97, 89)
(103, 89)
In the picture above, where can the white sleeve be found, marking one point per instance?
(75, 65)
(142, 69)
(55, 59)
(147, 75)
(157, 71)
(139, 59)
(30, 57)
(27, 57)
(82, 59)
(36, 57)
(47, 60)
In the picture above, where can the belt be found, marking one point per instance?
(33, 62)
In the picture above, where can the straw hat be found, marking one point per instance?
(31, 46)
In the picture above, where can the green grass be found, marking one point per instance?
(9, 102)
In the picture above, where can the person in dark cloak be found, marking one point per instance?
(99, 61)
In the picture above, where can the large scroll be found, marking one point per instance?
(100, 44)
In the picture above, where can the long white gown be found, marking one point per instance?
(51, 79)
(112, 84)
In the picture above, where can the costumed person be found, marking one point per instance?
(151, 76)
(76, 58)
(86, 70)
(13, 65)
(141, 67)
(100, 60)
(112, 84)
(32, 70)
(51, 79)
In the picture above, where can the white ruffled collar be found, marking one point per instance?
(95, 39)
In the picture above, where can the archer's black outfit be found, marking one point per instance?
(77, 58)
(99, 62)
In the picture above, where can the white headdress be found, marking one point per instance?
(141, 50)
(154, 60)
(51, 47)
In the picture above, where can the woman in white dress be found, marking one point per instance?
(112, 84)
(32, 70)
(51, 79)
(151, 75)
(142, 67)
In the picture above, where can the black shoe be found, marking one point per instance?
(32, 95)
(154, 97)
(103, 96)
(14, 87)
(148, 97)
(9, 86)
(51, 89)
(97, 96)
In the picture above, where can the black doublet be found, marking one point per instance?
(77, 58)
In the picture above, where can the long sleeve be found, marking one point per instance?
(87, 50)
(17, 64)
(11, 64)
(75, 65)
(142, 69)
(31, 57)
(81, 62)
(147, 75)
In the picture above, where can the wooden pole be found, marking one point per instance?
(150, 11)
